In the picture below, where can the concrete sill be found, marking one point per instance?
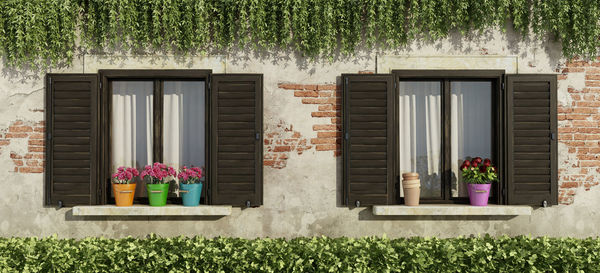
(145, 210)
(451, 210)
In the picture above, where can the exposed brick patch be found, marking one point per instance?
(579, 130)
(280, 140)
(33, 160)
(328, 102)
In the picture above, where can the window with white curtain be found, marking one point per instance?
(442, 122)
(133, 122)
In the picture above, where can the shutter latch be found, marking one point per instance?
(552, 136)
(60, 204)
(545, 204)
(357, 203)
(247, 203)
(257, 136)
(347, 136)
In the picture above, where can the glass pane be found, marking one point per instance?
(420, 134)
(132, 126)
(471, 127)
(184, 123)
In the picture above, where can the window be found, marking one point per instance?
(429, 121)
(98, 122)
(441, 122)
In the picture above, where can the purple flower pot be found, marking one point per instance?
(479, 194)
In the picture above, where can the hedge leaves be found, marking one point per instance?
(47, 32)
(370, 254)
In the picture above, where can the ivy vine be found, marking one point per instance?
(49, 32)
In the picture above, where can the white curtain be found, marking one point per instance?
(184, 123)
(420, 134)
(132, 126)
(471, 128)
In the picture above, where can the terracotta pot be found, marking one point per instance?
(411, 185)
(123, 194)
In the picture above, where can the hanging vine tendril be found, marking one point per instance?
(48, 32)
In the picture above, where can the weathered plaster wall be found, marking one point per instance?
(302, 172)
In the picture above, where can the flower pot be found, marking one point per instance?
(157, 194)
(190, 194)
(123, 194)
(411, 186)
(479, 194)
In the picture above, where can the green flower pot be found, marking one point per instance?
(157, 194)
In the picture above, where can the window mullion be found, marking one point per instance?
(446, 141)
(157, 119)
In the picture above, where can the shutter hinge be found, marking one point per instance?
(49, 136)
(504, 192)
(100, 85)
(257, 136)
(503, 87)
(347, 136)
(346, 80)
(552, 136)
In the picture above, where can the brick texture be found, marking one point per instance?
(280, 141)
(327, 114)
(31, 161)
(579, 129)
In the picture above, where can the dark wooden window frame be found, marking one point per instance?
(158, 76)
(498, 153)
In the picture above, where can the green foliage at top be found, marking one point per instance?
(47, 32)
(154, 254)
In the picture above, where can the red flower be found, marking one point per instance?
(465, 164)
(482, 169)
(477, 159)
(474, 164)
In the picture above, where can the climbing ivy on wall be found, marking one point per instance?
(48, 32)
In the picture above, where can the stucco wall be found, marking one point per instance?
(301, 195)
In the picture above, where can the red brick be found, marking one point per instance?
(33, 163)
(306, 94)
(289, 86)
(592, 77)
(325, 127)
(14, 155)
(323, 141)
(4, 142)
(296, 135)
(16, 135)
(327, 87)
(592, 83)
(20, 129)
(315, 100)
(324, 114)
(39, 129)
(327, 107)
(327, 147)
(268, 162)
(336, 120)
(18, 162)
(282, 149)
(31, 170)
(326, 93)
(569, 185)
(309, 87)
(35, 149)
(36, 136)
(329, 134)
(36, 142)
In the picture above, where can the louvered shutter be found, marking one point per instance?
(368, 143)
(531, 139)
(71, 139)
(236, 139)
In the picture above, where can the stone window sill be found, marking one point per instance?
(145, 210)
(451, 210)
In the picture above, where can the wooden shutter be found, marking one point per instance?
(531, 140)
(236, 139)
(71, 140)
(368, 142)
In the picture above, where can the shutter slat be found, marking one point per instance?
(236, 153)
(71, 152)
(532, 151)
(368, 153)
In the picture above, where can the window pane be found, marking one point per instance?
(184, 123)
(471, 127)
(420, 134)
(132, 125)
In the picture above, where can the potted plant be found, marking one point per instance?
(479, 175)
(158, 185)
(123, 188)
(190, 185)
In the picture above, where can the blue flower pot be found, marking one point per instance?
(190, 193)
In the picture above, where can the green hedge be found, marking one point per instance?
(155, 254)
